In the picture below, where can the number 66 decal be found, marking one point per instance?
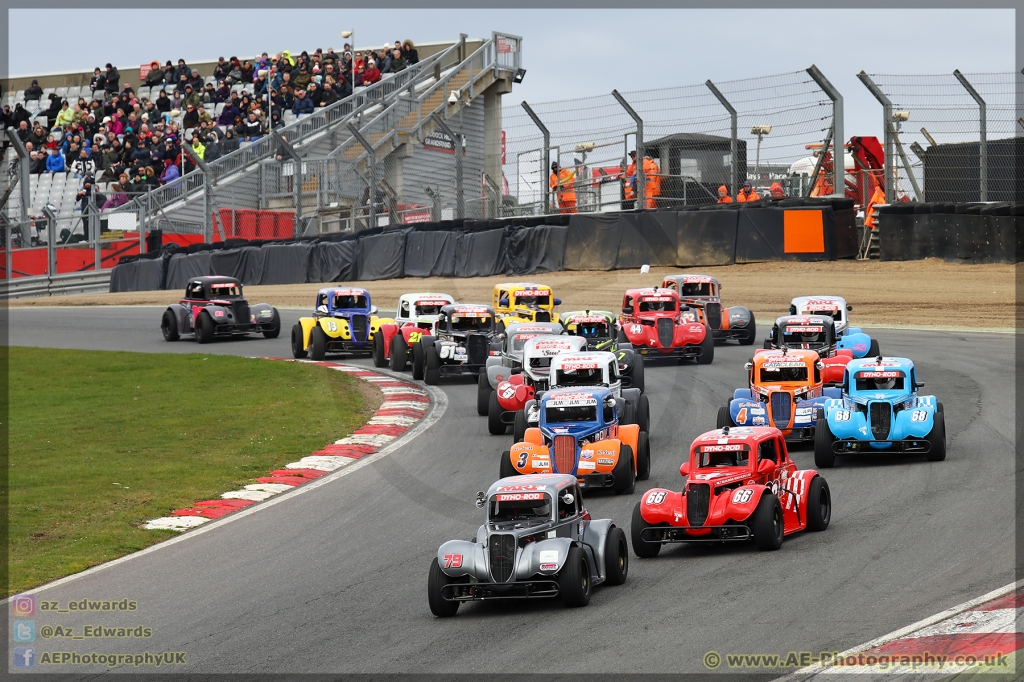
(742, 496)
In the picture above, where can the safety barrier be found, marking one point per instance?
(964, 233)
(91, 282)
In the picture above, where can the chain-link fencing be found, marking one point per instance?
(953, 137)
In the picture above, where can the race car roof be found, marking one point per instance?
(596, 392)
(550, 344)
(692, 279)
(580, 316)
(652, 291)
(874, 364)
(347, 291)
(459, 308)
(522, 285)
(819, 302)
(426, 296)
(798, 357)
(816, 320)
(549, 483)
(534, 328)
(214, 279)
(736, 434)
(583, 360)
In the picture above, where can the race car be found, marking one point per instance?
(578, 432)
(537, 540)
(415, 315)
(523, 302)
(520, 384)
(703, 293)
(214, 306)
(464, 340)
(849, 338)
(600, 329)
(656, 324)
(509, 357)
(785, 391)
(740, 484)
(880, 411)
(812, 332)
(344, 321)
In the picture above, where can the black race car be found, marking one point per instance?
(213, 306)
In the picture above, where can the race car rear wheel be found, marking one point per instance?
(616, 556)
(707, 349)
(520, 426)
(937, 439)
(767, 523)
(417, 361)
(495, 426)
(643, 456)
(483, 394)
(637, 373)
(399, 353)
(274, 330)
(298, 350)
(379, 360)
(505, 468)
(574, 579)
(628, 415)
(873, 351)
(169, 326)
(643, 413)
(432, 365)
(748, 338)
(724, 417)
(624, 473)
(205, 327)
(499, 327)
(939, 408)
(824, 457)
(819, 505)
(317, 343)
(621, 336)
(439, 606)
(642, 548)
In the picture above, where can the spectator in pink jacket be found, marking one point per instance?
(117, 198)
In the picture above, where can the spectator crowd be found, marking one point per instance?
(114, 136)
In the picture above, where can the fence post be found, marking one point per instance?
(51, 241)
(95, 227)
(208, 180)
(982, 135)
(838, 141)
(23, 163)
(457, 143)
(886, 122)
(641, 181)
(543, 157)
(734, 146)
(372, 183)
(296, 177)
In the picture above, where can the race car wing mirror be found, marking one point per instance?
(322, 309)
(480, 500)
(516, 370)
(558, 301)
(849, 308)
(373, 310)
(503, 302)
(918, 384)
(765, 466)
(568, 498)
(748, 365)
(684, 469)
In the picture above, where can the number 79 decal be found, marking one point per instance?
(452, 560)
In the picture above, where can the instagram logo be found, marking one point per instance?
(24, 605)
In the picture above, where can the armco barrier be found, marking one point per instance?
(965, 233)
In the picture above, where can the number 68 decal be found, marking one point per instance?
(842, 415)
(656, 497)
(919, 416)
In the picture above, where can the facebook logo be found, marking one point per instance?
(24, 657)
(24, 631)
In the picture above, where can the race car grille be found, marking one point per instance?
(698, 499)
(359, 328)
(543, 316)
(714, 314)
(241, 312)
(782, 409)
(503, 556)
(881, 419)
(666, 330)
(476, 348)
(565, 454)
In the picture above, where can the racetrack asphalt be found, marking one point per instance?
(335, 580)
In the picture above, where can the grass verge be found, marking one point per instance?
(100, 442)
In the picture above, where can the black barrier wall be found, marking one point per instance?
(965, 233)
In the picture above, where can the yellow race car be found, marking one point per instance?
(523, 302)
(344, 321)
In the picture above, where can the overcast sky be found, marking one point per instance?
(567, 53)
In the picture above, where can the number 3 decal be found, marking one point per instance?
(523, 456)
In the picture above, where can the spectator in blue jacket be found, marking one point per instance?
(302, 105)
(55, 162)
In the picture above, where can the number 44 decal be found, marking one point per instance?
(452, 560)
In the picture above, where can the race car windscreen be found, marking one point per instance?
(879, 381)
(593, 330)
(694, 289)
(521, 506)
(540, 363)
(773, 374)
(350, 302)
(461, 323)
(579, 377)
(657, 306)
(804, 334)
(533, 301)
(731, 455)
(225, 291)
(519, 340)
(835, 313)
(566, 415)
(427, 310)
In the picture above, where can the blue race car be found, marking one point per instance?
(880, 411)
(847, 337)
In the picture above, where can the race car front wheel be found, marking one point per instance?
(873, 350)
(505, 468)
(274, 330)
(437, 580)
(399, 353)
(768, 526)
(616, 556)
(432, 369)
(298, 349)
(937, 439)
(495, 426)
(819, 505)
(724, 417)
(378, 350)
(824, 457)
(574, 580)
(643, 457)
(318, 344)
(520, 426)
(624, 473)
(707, 349)
(417, 361)
(642, 548)
(204, 328)
(169, 326)
(643, 413)
(483, 394)
(637, 373)
(751, 331)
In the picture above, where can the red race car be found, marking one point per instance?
(740, 484)
(658, 325)
(397, 341)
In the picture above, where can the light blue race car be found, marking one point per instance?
(836, 307)
(880, 411)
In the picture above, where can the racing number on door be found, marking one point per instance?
(741, 416)
(452, 560)
(414, 337)
(331, 325)
(842, 415)
(742, 496)
(447, 352)
(523, 456)
(919, 416)
(656, 498)
(636, 329)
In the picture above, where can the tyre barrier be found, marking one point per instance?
(963, 233)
